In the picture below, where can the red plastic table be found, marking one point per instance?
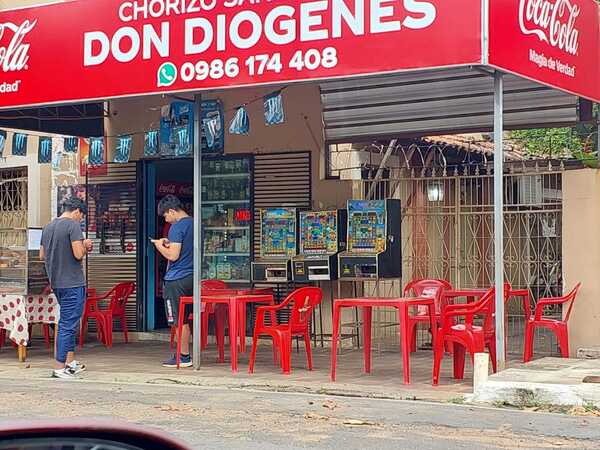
(236, 302)
(367, 305)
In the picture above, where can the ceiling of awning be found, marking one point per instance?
(437, 102)
(73, 120)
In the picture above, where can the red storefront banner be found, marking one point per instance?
(555, 42)
(99, 49)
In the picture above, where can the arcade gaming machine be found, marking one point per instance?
(322, 237)
(278, 245)
(374, 247)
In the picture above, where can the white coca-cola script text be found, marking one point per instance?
(552, 21)
(14, 52)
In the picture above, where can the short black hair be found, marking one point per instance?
(169, 202)
(74, 204)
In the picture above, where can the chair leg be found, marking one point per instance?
(46, 330)
(108, 330)
(528, 351)
(492, 348)
(253, 354)
(459, 361)
(413, 336)
(83, 330)
(334, 341)
(562, 335)
(204, 342)
(124, 327)
(308, 350)
(2, 337)
(220, 317)
(275, 355)
(438, 354)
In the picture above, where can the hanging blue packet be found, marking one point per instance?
(71, 144)
(183, 145)
(274, 114)
(151, 144)
(19, 144)
(124, 145)
(96, 157)
(44, 150)
(240, 123)
(2, 142)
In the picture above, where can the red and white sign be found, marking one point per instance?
(555, 42)
(99, 49)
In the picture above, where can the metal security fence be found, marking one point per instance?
(447, 232)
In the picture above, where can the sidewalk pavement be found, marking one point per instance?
(139, 363)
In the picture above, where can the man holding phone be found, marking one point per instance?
(63, 249)
(178, 249)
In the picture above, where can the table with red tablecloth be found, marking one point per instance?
(18, 312)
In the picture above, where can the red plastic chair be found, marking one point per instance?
(208, 311)
(463, 336)
(303, 301)
(119, 295)
(424, 288)
(559, 327)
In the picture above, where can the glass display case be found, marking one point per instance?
(21, 269)
(227, 219)
(13, 261)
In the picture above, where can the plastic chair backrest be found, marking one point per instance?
(571, 298)
(482, 307)
(120, 296)
(304, 300)
(428, 288)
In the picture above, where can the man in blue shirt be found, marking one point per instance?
(178, 249)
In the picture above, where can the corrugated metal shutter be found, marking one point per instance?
(436, 102)
(114, 197)
(280, 179)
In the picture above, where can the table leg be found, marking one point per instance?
(233, 332)
(405, 342)
(242, 325)
(22, 353)
(367, 316)
(334, 339)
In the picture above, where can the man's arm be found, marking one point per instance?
(77, 243)
(42, 253)
(170, 251)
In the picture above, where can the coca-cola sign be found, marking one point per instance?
(552, 22)
(14, 51)
(553, 42)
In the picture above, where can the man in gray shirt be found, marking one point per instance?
(63, 249)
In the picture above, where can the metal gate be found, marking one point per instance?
(447, 232)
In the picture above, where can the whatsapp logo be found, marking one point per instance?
(167, 74)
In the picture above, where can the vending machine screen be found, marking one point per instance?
(366, 226)
(278, 233)
(318, 232)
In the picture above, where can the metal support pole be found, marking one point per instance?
(197, 331)
(499, 216)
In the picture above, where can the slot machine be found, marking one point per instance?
(278, 245)
(374, 246)
(322, 236)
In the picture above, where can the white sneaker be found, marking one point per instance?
(77, 367)
(66, 374)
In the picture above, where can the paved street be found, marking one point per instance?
(239, 418)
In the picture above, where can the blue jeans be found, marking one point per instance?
(72, 302)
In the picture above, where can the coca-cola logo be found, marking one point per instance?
(552, 22)
(14, 52)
